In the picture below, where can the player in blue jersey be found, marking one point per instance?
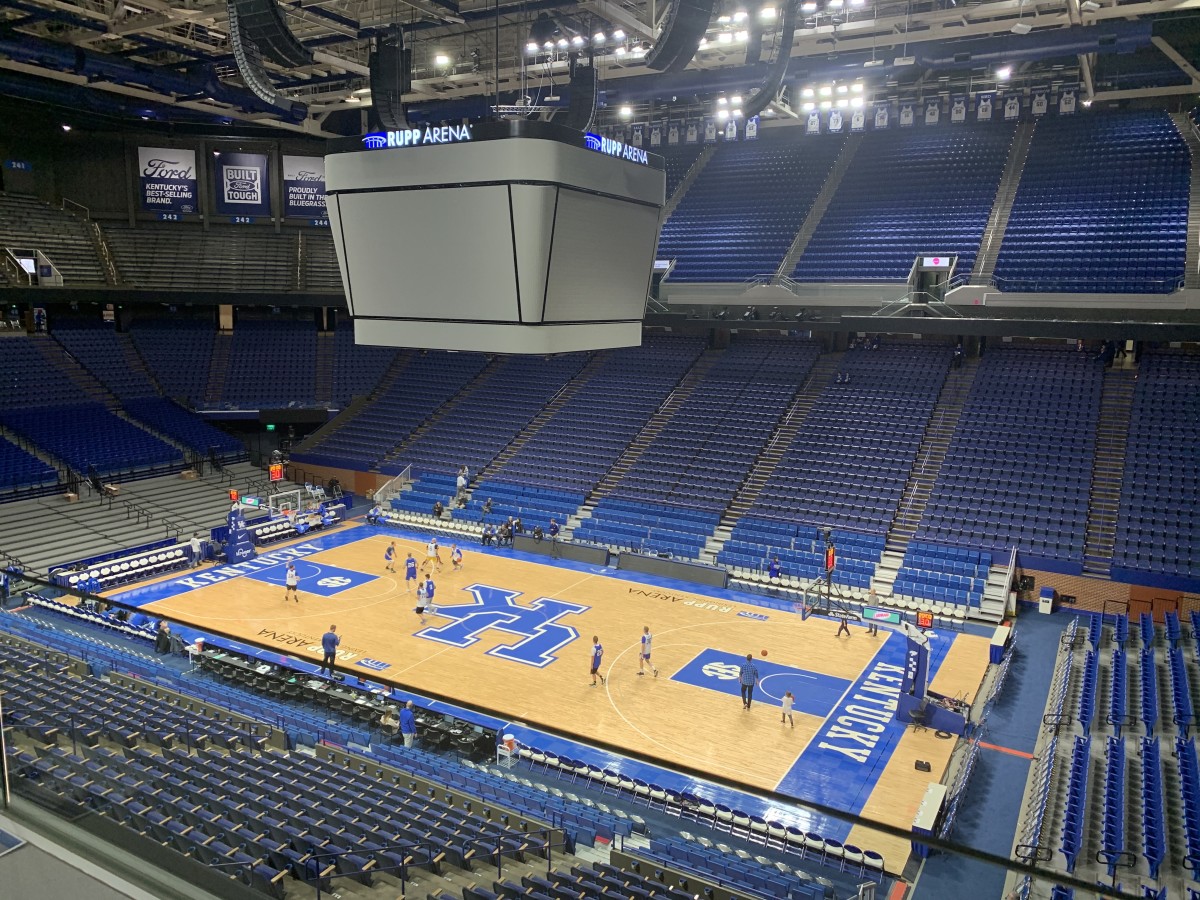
(644, 657)
(389, 557)
(597, 656)
(410, 572)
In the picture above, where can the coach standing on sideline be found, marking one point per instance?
(748, 678)
(329, 644)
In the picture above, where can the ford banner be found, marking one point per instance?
(167, 180)
(304, 186)
(240, 184)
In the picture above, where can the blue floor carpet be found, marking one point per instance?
(988, 817)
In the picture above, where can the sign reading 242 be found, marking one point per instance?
(494, 609)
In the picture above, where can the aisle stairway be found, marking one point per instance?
(133, 359)
(350, 413)
(1108, 469)
(324, 368)
(993, 234)
(934, 445)
(488, 371)
(653, 427)
(785, 433)
(91, 389)
(548, 411)
(1192, 138)
(813, 219)
(218, 368)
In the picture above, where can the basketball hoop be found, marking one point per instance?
(803, 609)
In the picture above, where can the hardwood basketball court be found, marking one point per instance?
(840, 752)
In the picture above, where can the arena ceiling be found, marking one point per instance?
(172, 61)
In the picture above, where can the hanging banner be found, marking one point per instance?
(883, 112)
(752, 128)
(983, 105)
(639, 134)
(731, 130)
(673, 133)
(933, 111)
(908, 114)
(693, 131)
(1066, 99)
(304, 186)
(1012, 107)
(167, 180)
(835, 121)
(813, 126)
(710, 130)
(1039, 101)
(858, 120)
(656, 135)
(240, 183)
(958, 109)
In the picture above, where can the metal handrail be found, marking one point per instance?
(87, 213)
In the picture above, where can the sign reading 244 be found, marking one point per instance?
(540, 633)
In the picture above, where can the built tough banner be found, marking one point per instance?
(167, 180)
(241, 185)
(304, 186)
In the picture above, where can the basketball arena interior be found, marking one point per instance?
(599, 449)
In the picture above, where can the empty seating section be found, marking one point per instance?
(19, 469)
(98, 349)
(1019, 466)
(86, 434)
(1112, 834)
(534, 505)
(29, 224)
(1154, 838)
(1158, 524)
(179, 352)
(321, 272)
(1089, 689)
(943, 574)
(582, 439)
(357, 368)
(686, 475)
(648, 528)
(739, 217)
(1148, 689)
(726, 868)
(485, 420)
(1181, 691)
(426, 382)
(221, 258)
(28, 379)
(1119, 692)
(1189, 786)
(272, 364)
(678, 161)
(908, 193)
(1102, 207)
(177, 423)
(850, 459)
(1074, 816)
(800, 549)
(284, 814)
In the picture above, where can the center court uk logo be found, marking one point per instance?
(495, 609)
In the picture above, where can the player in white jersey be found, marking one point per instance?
(644, 656)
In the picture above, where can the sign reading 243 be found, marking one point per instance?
(494, 609)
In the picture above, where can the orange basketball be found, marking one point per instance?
(764, 653)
